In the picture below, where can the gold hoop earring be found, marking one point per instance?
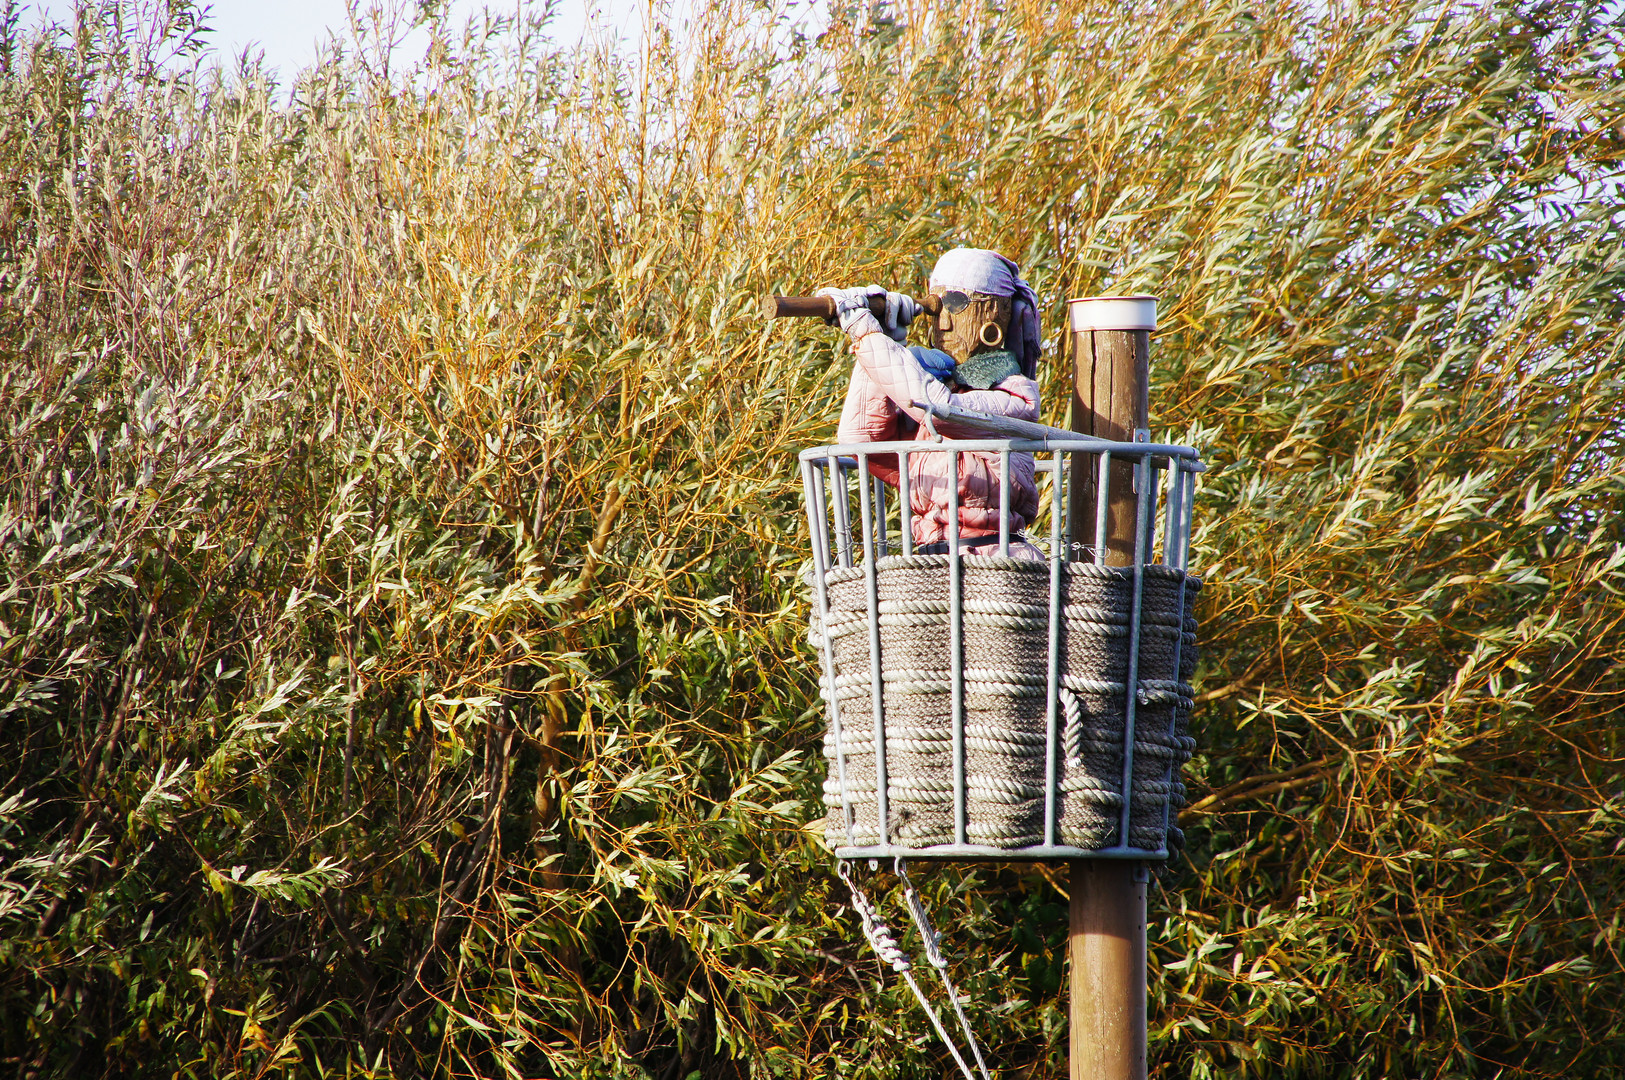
(991, 335)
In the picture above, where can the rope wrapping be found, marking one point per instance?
(1005, 618)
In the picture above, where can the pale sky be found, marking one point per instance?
(289, 30)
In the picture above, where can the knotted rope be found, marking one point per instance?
(886, 947)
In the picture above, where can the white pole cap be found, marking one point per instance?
(1113, 312)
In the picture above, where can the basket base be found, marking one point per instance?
(983, 853)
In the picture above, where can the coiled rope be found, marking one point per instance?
(1005, 635)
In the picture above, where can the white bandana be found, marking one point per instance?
(988, 272)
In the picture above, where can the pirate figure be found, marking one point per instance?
(984, 357)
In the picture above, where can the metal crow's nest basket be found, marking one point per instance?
(977, 706)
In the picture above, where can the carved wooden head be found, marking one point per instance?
(970, 323)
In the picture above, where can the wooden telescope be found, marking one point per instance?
(823, 307)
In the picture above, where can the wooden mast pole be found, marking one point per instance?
(1111, 375)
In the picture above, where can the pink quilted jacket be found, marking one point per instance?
(885, 380)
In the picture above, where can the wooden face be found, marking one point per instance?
(980, 325)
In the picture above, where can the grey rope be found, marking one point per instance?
(933, 952)
(886, 947)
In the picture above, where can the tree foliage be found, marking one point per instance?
(401, 658)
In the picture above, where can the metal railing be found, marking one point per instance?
(836, 477)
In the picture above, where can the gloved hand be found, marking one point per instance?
(900, 311)
(936, 363)
(851, 305)
(852, 311)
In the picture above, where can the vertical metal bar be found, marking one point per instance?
(1053, 692)
(1178, 517)
(1176, 511)
(813, 475)
(1170, 515)
(882, 780)
(1063, 475)
(878, 490)
(1190, 511)
(1178, 520)
(1154, 476)
(812, 482)
(839, 496)
(1102, 501)
(1150, 526)
(1004, 502)
(956, 645)
(905, 506)
(1176, 559)
(1131, 689)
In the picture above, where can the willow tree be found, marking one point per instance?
(401, 659)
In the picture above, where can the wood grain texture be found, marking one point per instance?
(1111, 376)
(1106, 950)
